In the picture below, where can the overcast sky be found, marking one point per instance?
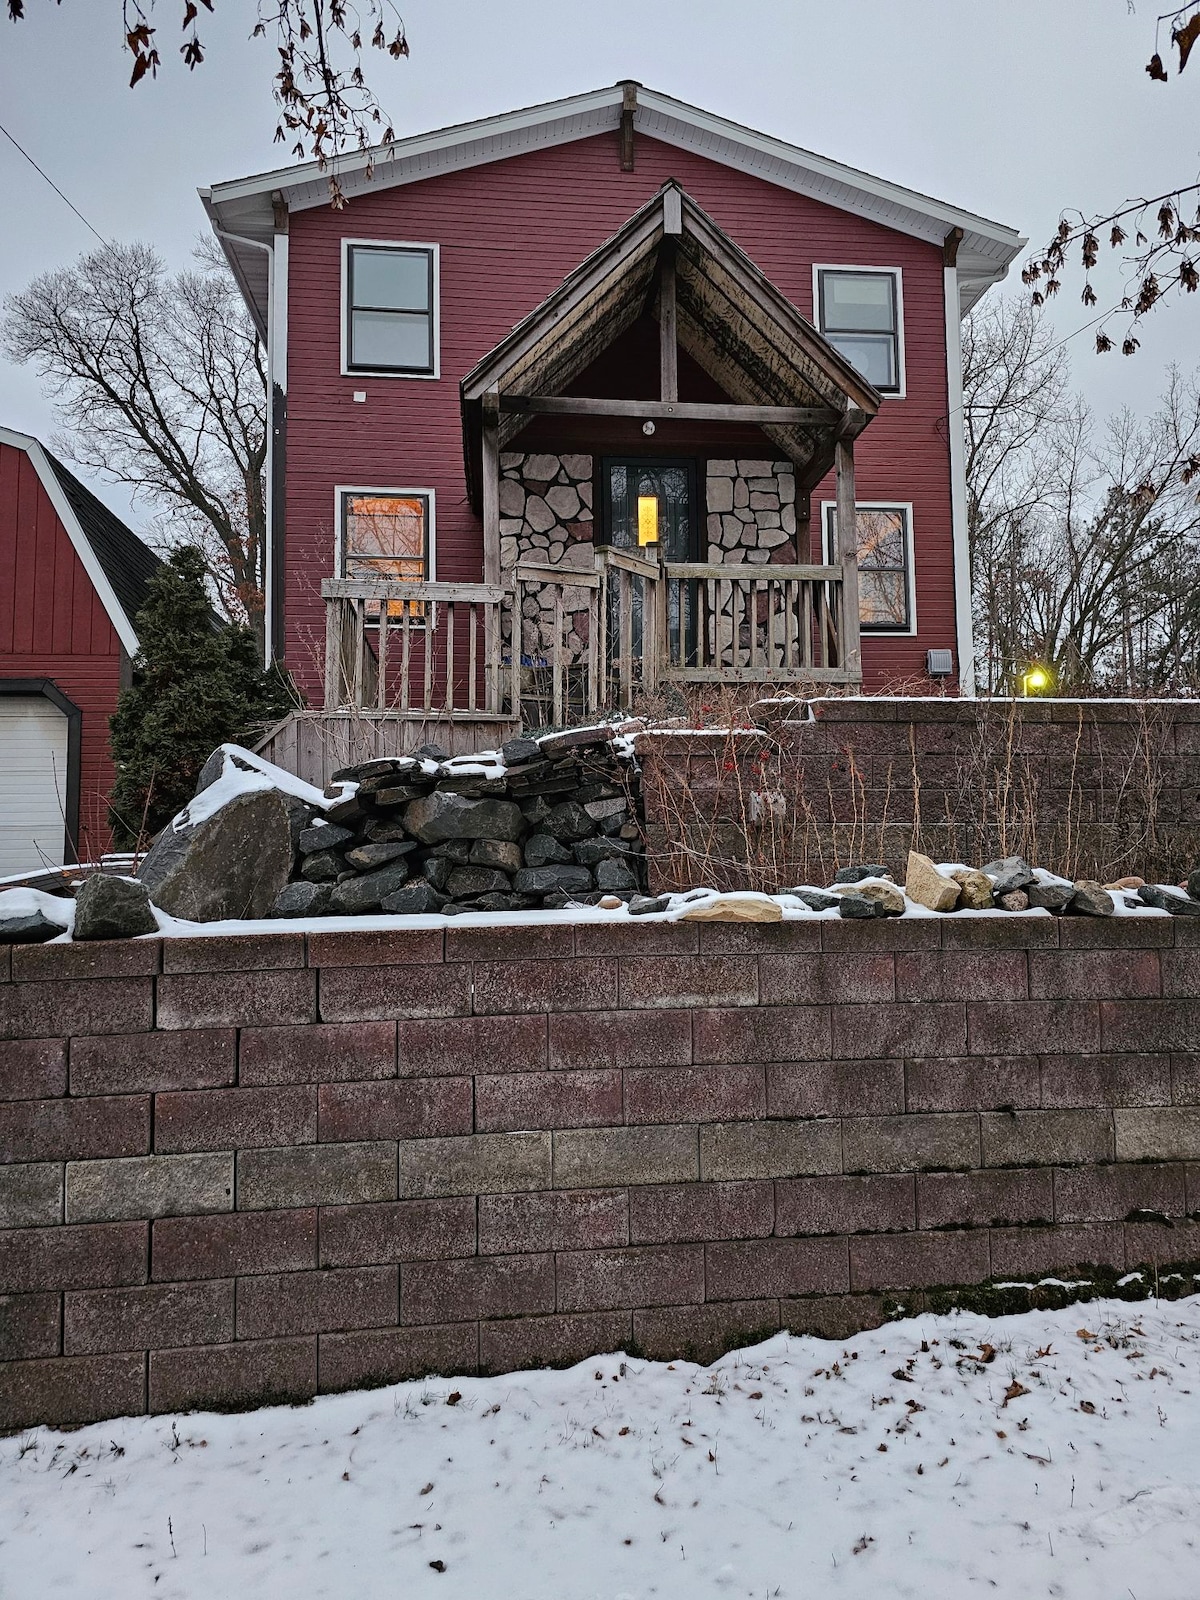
(1011, 108)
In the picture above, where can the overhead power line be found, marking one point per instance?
(52, 184)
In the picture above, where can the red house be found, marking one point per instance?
(597, 376)
(72, 579)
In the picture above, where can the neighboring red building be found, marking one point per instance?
(390, 321)
(72, 579)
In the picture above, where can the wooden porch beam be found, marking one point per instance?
(683, 410)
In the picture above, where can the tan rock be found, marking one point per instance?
(610, 902)
(926, 886)
(885, 894)
(1132, 883)
(976, 889)
(735, 908)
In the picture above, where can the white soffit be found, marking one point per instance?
(244, 206)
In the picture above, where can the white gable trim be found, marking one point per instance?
(87, 556)
(985, 253)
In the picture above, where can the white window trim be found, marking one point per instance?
(880, 505)
(343, 489)
(897, 273)
(344, 311)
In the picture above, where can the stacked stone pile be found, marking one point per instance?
(545, 823)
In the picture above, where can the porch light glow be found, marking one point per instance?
(1036, 681)
(647, 505)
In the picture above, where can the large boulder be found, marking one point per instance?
(113, 908)
(440, 816)
(926, 886)
(232, 863)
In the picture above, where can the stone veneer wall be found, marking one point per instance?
(1089, 788)
(247, 1170)
(751, 511)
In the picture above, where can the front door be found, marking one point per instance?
(642, 497)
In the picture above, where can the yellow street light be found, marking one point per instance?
(1036, 681)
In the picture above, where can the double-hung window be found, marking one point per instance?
(386, 536)
(884, 538)
(391, 309)
(860, 314)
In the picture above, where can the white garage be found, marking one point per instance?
(33, 783)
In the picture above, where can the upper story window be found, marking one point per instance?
(391, 309)
(860, 315)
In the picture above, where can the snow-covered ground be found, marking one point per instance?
(1053, 1453)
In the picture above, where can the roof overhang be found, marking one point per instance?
(244, 209)
(122, 624)
(732, 321)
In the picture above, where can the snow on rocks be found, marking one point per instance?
(28, 916)
(1047, 1453)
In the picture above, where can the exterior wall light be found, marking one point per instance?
(647, 517)
(1038, 680)
(647, 428)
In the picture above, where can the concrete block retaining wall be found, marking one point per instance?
(245, 1170)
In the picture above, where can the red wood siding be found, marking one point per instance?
(509, 232)
(53, 625)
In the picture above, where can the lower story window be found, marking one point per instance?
(387, 536)
(884, 538)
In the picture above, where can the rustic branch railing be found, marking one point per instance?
(731, 623)
(564, 643)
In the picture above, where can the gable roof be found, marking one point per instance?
(244, 208)
(116, 561)
(733, 322)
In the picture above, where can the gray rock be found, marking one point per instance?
(1091, 900)
(1050, 896)
(872, 869)
(1013, 900)
(815, 900)
(542, 851)
(231, 865)
(323, 866)
(324, 836)
(436, 872)
(645, 905)
(113, 908)
(576, 740)
(536, 810)
(456, 851)
(1009, 882)
(302, 900)
(367, 891)
(467, 882)
(498, 901)
(613, 876)
(399, 794)
(1179, 905)
(857, 905)
(417, 898)
(996, 869)
(29, 928)
(1193, 883)
(568, 821)
(453, 816)
(431, 752)
(384, 830)
(590, 852)
(369, 856)
(600, 810)
(502, 853)
(516, 752)
(545, 880)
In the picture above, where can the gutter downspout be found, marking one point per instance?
(269, 553)
(958, 468)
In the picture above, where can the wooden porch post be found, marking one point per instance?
(490, 473)
(668, 349)
(847, 553)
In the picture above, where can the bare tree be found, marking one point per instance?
(1085, 539)
(326, 104)
(1161, 259)
(160, 381)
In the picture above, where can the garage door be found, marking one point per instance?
(33, 783)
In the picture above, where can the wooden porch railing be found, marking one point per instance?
(560, 643)
(734, 623)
